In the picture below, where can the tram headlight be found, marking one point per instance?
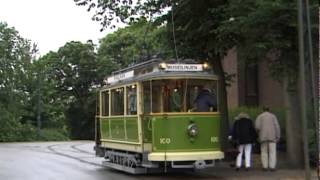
(163, 65)
(192, 130)
(205, 65)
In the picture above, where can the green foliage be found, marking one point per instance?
(110, 13)
(53, 135)
(253, 112)
(15, 58)
(68, 81)
(12, 130)
(267, 30)
(196, 21)
(137, 42)
(14, 61)
(196, 24)
(48, 87)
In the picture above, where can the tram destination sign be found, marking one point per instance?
(119, 77)
(184, 67)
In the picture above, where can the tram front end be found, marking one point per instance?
(185, 141)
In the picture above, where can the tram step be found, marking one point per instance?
(136, 170)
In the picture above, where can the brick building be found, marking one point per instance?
(251, 84)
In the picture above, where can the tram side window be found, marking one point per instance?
(105, 103)
(173, 95)
(152, 96)
(117, 101)
(167, 96)
(157, 96)
(146, 97)
(131, 100)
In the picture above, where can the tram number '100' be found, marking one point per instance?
(214, 139)
(165, 140)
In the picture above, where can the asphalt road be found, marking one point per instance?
(75, 160)
(65, 161)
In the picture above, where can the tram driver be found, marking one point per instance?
(205, 101)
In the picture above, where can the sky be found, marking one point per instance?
(50, 23)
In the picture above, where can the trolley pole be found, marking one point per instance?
(317, 107)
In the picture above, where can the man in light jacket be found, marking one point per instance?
(268, 129)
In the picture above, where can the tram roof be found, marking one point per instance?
(160, 69)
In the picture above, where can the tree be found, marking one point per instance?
(46, 99)
(267, 30)
(137, 42)
(15, 58)
(74, 70)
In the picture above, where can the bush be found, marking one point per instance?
(12, 130)
(255, 111)
(53, 135)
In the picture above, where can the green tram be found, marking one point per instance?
(146, 120)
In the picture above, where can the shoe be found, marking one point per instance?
(247, 168)
(265, 169)
(237, 169)
(272, 169)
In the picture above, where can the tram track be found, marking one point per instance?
(53, 149)
(81, 150)
(58, 149)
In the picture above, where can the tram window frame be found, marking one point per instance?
(161, 96)
(105, 103)
(129, 100)
(117, 106)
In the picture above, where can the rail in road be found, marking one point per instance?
(75, 152)
(76, 160)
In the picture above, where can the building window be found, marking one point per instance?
(251, 85)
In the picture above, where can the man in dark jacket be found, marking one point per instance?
(243, 132)
(205, 101)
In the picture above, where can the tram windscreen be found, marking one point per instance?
(179, 95)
